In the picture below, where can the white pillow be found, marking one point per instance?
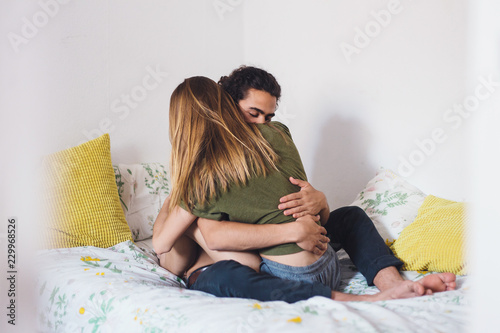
(391, 202)
(142, 189)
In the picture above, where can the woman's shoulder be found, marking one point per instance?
(274, 127)
(280, 126)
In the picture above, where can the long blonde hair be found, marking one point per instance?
(212, 145)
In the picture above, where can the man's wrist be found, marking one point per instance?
(291, 232)
(324, 214)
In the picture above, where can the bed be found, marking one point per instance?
(122, 288)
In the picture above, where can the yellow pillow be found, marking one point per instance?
(434, 241)
(80, 198)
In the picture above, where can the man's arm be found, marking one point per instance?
(308, 201)
(236, 236)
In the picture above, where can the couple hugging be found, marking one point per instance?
(241, 219)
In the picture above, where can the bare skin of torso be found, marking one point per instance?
(251, 259)
(302, 258)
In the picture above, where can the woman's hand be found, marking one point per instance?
(308, 201)
(311, 236)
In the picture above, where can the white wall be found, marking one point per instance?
(349, 115)
(353, 114)
(484, 159)
(97, 58)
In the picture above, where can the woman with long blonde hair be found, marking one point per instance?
(212, 146)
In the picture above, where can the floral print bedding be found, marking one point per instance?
(122, 289)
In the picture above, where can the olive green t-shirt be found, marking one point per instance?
(257, 201)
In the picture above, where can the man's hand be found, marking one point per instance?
(308, 201)
(311, 236)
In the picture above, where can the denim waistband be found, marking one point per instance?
(326, 269)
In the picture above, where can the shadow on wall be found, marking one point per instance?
(341, 166)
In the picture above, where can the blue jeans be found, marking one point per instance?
(229, 278)
(325, 270)
(348, 227)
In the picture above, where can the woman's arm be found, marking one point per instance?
(169, 227)
(308, 201)
(181, 257)
(236, 236)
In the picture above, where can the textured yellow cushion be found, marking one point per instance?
(81, 200)
(434, 241)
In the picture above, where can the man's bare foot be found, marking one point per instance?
(405, 289)
(439, 282)
(426, 286)
(387, 278)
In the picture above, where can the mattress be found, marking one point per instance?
(123, 289)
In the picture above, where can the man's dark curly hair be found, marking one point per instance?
(244, 78)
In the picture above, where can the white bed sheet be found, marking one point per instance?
(122, 289)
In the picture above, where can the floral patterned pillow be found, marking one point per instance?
(391, 202)
(142, 189)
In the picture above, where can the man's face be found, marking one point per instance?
(258, 107)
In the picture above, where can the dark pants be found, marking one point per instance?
(229, 278)
(348, 227)
(351, 229)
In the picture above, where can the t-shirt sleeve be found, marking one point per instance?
(217, 216)
(287, 149)
(282, 128)
(211, 214)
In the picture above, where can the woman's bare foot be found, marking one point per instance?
(439, 282)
